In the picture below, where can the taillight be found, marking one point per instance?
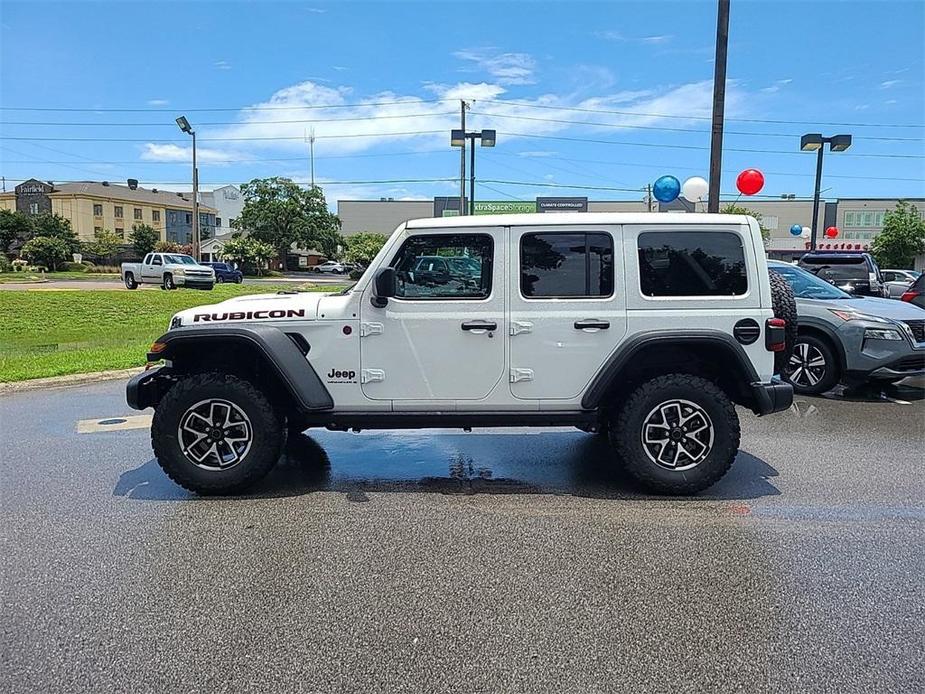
(775, 336)
(908, 296)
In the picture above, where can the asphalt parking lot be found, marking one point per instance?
(492, 561)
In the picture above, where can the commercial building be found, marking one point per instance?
(858, 220)
(92, 206)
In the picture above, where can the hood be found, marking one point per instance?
(881, 308)
(255, 308)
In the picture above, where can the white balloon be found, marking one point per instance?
(807, 232)
(695, 189)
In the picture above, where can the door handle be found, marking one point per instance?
(479, 325)
(591, 323)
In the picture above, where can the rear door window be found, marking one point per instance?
(566, 265)
(691, 263)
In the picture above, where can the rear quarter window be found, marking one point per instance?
(691, 263)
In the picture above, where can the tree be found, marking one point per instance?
(105, 243)
(143, 238)
(248, 251)
(278, 212)
(47, 251)
(15, 229)
(167, 247)
(902, 238)
(732, 208)
(363, 247)
(56, 227)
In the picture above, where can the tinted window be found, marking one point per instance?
(566, 265)
(444, 266)
(806, 285)
(837, 268)
(691, 263)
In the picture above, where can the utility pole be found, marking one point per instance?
(311, 155)
(462, 158)
(719, 103)
(648, 197)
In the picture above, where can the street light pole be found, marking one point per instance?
(816, 142)
(458, 139)
(462, 159)
(196, 245)
(184, 126)
(472, 176)
(816, 196)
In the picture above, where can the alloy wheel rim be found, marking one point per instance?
(677, 434)
(215, 434)
(807, 365)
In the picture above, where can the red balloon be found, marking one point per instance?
(750, 181)
(831, 232)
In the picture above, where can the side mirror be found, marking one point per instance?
(384, 286)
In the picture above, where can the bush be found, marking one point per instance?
(356, 274)
(49, 251)
(5, 264)
(74, 267)
(104, 269)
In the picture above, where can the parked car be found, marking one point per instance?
(855, 273)
(916, 293)
(898, 281)
(170, 270)
(331, 266)
(226, 272)
(849, 339)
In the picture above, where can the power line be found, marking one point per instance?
(675, 130)
(698, 147)
(707, 118)
(277, 138)
(141, 162)
(239, 123)
(225, 109)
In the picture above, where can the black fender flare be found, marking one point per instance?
(613, 367)
(285, 357)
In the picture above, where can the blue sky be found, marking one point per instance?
(605, 95)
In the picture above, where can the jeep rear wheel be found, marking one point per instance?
(677, 434)
(214, 433)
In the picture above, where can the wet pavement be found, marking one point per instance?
(492, 561)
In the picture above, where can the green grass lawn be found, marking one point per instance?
(54, 333)
(14, 277)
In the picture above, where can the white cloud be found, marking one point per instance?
(776, 87)
(221, 65)
(891, 102)
(279, 124)
(507, 68)
(315, 10)
(655, 39)
(538, 153)
(158, 102)
(339, 68)
(888, 84)
(662, 38)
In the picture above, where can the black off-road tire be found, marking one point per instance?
(627, 433)
(268, 435)
(828, 378)
(129, 280)
(785, 307)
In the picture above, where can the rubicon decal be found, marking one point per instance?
(249, 315)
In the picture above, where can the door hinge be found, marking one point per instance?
(371, 375)
(518, 375)
(367, 329)
(521, 326)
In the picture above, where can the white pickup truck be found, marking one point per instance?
(170, 270)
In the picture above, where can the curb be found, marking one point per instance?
(70, 380)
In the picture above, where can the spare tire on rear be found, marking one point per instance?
(785, 307)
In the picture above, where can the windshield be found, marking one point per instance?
(806, 285)
(178, 259)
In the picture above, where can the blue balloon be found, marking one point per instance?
(666, 188)
(796, 230)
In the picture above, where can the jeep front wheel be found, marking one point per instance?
(214, 433)
(676, 434)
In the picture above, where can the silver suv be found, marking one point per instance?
(850, 339)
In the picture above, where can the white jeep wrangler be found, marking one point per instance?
(647, 327)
